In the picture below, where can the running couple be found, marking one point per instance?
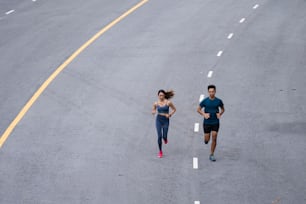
(212, 114)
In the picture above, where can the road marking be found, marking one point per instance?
(210, 73)
(42, 88)
(195, 163)
(196, 202)
(220, 53)
(33, 0)
(256, 6)
(276, 201)
(201, 97)
(9, 12)
(242, 20)
(196, 127)
(230, 35)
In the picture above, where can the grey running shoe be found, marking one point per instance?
(212, 158)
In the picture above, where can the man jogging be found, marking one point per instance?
(211, 114)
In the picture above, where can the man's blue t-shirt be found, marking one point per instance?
(211, 106)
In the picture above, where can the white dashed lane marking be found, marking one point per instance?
(201, 97)
(242, 20)
(196, 127)
(9, 12)
(195, 163)
(220, 53)
(210, 73)
(230, 35)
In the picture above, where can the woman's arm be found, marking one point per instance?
(173, 109)
(154, 109)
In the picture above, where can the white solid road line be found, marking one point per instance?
(256, 6)
(242, 20)
(230, 35)
(202, 96)
(9, 12)
(210, 73)
(196, 202)
(196, 127)
(219, 53)
(195, 163)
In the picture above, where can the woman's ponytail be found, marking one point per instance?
(168, 94)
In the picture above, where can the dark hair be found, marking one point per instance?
(211, 86)
(168, 94)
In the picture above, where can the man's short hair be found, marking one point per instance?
(211, 87)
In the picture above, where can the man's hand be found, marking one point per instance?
(206, 115)
(218, 115)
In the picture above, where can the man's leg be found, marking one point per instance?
(207, 130)
(206, 137)
(214, 135)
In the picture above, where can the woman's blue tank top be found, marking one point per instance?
(163, 109)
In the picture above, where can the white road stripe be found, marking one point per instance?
(34, 0)
(210, 73)
(201, 97)
(196, 127)
(256, 6)
(9, 12)
(242, 20)
(196, 202)
(195, 163)
(230, 35)
(219, 53)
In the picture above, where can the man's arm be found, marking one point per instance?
(205, 115)
(221, 113)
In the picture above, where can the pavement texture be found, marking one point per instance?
(91, 138)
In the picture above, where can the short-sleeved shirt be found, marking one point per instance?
(211, 106)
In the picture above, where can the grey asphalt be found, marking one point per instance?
(90, 137)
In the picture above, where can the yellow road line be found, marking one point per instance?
(41, 89)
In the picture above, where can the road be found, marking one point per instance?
(90, 136)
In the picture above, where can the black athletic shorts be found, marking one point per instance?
(209, 128)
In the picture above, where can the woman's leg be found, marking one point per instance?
(165, 130)
(159, 134)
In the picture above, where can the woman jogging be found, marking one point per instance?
(161, 107)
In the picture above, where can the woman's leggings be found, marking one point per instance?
(162, 125)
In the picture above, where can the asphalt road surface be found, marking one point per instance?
(90, 136)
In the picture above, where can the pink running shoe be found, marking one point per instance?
(160, 155)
